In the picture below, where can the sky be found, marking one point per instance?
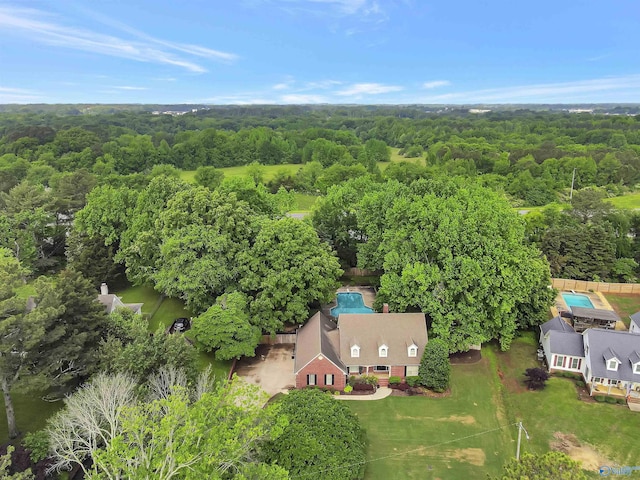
(320, 51)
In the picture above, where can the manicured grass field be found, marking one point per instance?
(462, 436)
(624, 304)
(240, 171)
(609, 432)
(626, 202)
(304, 202)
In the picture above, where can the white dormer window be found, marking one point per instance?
(636, 368)
(383, 350)
(412, 351)
(612, 364)
(355, 351)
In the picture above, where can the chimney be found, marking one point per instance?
(104, 289)
(385, 308)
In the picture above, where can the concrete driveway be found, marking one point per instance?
(271, 368)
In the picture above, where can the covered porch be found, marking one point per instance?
(616, 388)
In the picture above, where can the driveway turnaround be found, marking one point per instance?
(271, 368)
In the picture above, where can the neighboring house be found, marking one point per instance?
(608, 360)
(380, 344)
(112, 302)
(584, 318)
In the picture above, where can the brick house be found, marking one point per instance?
(380, 344)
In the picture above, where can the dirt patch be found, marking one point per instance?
(474, 456)
(588, 456)
(460, 358)
(464, 419)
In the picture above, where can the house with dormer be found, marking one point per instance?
(608, 360)
(379, 344)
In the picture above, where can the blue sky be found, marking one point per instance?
(319, 51)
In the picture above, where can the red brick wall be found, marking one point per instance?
(320, 368)
(397, 371)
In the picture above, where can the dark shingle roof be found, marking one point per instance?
(317, 336)
(624, 345)
(566, 343)
(595, 313)
(635, 318)
(558, 324)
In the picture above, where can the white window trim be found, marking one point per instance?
(615, 369)
(355, 351)
(571, 362)
(383, 351)
(314, 377)
(328, 379)
(412, 351)
(555, 361)
(636, 367)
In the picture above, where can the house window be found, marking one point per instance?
(328, 379)
(413, 351)
(311, 379)
(383, 350)
(636, 368)
(354, 370)
(597, 380)
(612, 364)
(355, 351)
(381, 368)
(412, 370)
(558, 361)
(575, 363)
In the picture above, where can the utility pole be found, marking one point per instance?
(573, 179)
(520, 429)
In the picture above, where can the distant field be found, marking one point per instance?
(304, 202)
(269, 171)
(626, 202)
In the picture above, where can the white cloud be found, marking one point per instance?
(625, 88)
(436, 84)
(281, 86)
(302, 99)
(368, 89)
(18, 95)
(129, 87)
(41, 28)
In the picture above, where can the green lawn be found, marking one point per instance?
(240, 171)
(624, 304)
(463, 436)
(141, 294)
(304, 202)
(611, 430)
(626, 202)
(31, 413)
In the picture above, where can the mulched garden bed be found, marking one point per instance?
(462, 358)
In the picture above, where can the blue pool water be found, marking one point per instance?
(577, 300)
(350, 303)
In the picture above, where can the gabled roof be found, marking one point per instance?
(634, 358)
(609, 354)
(635, 318)
(595, 313)
(370, 330)
(557, 324)
(603, 343)
(112, 301)
(566, 343)
(319, 336)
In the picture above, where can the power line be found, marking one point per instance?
(316, 472)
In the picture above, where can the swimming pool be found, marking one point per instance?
(577, 300)
(350, 302)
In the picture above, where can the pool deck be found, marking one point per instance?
(597, 299)
(368, 297)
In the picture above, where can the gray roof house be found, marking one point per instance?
(608, 360)
(112, 302)
(379, 344)
(634, 326)
(584, 318)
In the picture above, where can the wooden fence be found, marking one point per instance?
(278, 339)
(604, 287)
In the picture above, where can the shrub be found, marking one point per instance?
(352, 380)
(435, 368)
(363, 387)
(369, 380)
(348, 389)
(38, 444)
(536, 378)
(394, 380)
(599, 398)
(611, 400)
(580, 383)
(413, 381)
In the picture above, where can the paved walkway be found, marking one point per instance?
(382, 392)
